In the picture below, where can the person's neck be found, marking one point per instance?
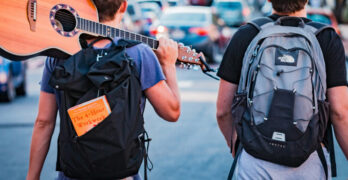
(104, 42)
(112, 24)
(301, 13)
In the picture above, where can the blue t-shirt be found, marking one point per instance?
(148, 67)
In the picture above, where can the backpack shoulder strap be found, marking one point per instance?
(234, 164)
(317, 27)
(127, 43)
(259, 22)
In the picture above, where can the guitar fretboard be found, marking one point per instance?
(108, 31)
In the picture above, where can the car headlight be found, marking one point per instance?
(3, 77)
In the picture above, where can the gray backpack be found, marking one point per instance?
(279, 108)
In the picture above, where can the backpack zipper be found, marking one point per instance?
(253, 56)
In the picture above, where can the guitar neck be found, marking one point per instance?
(108, 31)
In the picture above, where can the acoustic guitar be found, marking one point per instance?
(53, 28)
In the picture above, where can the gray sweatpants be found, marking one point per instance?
(250, 168)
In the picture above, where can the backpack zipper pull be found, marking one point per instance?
(256, 51)
(99, 56)
(253, 56)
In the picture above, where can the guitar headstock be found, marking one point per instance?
(189, 57)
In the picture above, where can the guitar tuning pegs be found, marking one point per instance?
(181, 45)
(189, 66)
(188, 49)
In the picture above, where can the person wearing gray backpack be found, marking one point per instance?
(283, 83)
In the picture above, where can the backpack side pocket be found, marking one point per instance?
(239, 106)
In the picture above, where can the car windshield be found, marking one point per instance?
(150, 7)
(229, 5)
(184, 17)
(319, 18)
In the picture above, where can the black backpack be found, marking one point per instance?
(280, 109)
(115, 148)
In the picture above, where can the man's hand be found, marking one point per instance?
(167, 51)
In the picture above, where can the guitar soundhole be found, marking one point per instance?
(65, 20)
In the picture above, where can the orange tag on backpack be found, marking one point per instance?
(89, 114)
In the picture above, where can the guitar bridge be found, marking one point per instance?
(32, 14)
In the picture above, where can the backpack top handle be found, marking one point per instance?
(280, 21)
(99, 38)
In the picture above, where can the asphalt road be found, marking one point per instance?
(192, 148)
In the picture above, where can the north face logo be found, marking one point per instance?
(286, 59)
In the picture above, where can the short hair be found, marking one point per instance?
(107, 9)
(288, 6)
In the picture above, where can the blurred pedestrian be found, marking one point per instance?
(158, 81)
(248, 165)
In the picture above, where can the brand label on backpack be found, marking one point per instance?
(286, 58)
(278, 136)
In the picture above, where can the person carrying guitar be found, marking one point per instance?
(158, 81)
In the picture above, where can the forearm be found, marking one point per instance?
(224, 114)
(171, 81)
(40, 144)
(228, 129)
(340, 124)
(338, 99)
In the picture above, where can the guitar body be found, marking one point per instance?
(30, 27)
(54, 28)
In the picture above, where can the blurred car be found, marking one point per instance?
(325, 16)
(135, 14)
(191, 25)
(129, 25)
(163, 4)
(200, 2)
(150, 12)
(232, 12)
(12, 79)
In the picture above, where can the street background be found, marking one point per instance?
(192, 148)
